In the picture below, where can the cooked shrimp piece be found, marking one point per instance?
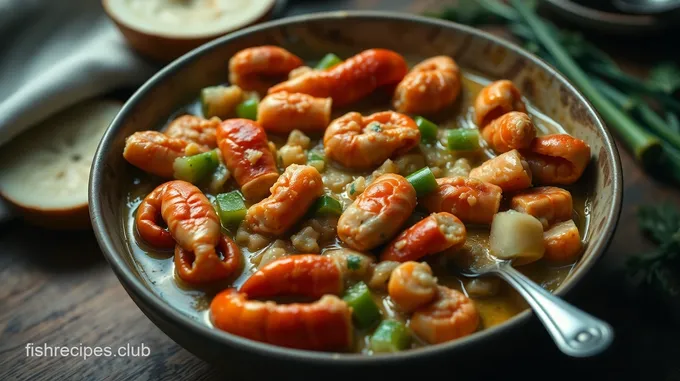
(353, 264)
(258, 68)
(451, 316)
(509, 171)
(193, 224)
(324, 325)
(284, 112)
(154, 152)
(247, 155)
(381, 274)
(310, 275)
(429, 87)
(433, 234)
(509, 131)
(471, 200)
(194, 129)
(351, 80)
(147, 216)
(547, 204)
(191, 219)
(557, 159)
(292, 194)
(378, 213)
(363, 142)
(412, 286)
(496, 99)
(299, 71)
(562, 242)
(207, 268)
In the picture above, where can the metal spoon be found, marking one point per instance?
(646, 6)
(575, 332)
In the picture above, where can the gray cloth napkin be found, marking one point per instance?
(54, 54)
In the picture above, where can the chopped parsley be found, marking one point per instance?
(353, 262)
(659, 268)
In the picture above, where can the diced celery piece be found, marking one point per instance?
(364, 310)
(428, 130)
(196, 168)
(328, 61)
(423, 181)
(390, 336)
(463, 139)
(247, 109)
(231, 208)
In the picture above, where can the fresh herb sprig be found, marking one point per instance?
(666, 77)
(661, 268)
(622, 99)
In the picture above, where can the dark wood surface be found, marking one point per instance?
(58, 290)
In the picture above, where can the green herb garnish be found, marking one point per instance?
(375, 127)
(660, 268)
(665, 76)
(353, 262)
(326, 205)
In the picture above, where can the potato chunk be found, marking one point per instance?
(516, 236)
(483, 287)
(306, 240)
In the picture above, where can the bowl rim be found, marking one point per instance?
(612, 18)
(135, 285)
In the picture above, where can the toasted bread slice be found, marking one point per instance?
(44, 171)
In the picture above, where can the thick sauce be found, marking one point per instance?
(501, 304)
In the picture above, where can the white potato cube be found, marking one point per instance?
(516, 236)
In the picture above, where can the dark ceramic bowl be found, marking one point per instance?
(344, 33)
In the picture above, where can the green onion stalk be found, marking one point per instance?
(645, 146)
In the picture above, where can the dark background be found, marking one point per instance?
(57, 288)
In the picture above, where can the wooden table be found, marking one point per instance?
(57, 289)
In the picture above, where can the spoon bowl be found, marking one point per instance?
(575, 332)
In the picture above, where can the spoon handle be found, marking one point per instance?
(575, 332)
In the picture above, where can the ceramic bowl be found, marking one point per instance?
(344, 33)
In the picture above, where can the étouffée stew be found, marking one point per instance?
(328, 208)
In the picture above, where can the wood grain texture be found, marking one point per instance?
(57, 289)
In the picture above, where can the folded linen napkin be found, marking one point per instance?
(54, 55)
